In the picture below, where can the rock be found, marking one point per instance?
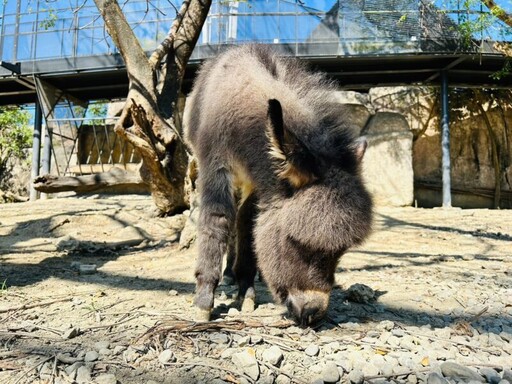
(256, 339)
(106, 378)
(46, 371)
(436, 378)
(398, 332)
(189, 232)
(503, 381)
(385, 325)
(130, 355)
(490, 374)
(243, 341)
(451, 369)
(91, 356)
(166, 356)
(330, 373)
(233, 312)
(83, 375)
(87, 269)
(119, 349)
(101, 345)
(282, 379)
(389, 153)
(227, 353)
(246, 361)
(370, 370)
(360, 293)
(71, 333)
(71, 370)
(219, 338)
(104, 351)
(273, 355)
(173, 292)
(507, 375)
(356, 377)
(312, 350)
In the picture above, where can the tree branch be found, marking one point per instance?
(498, 12)
(134, 57)
(167, 43)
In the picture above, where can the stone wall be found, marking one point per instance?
(478, 153)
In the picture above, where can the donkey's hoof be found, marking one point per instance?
(202, 315)
(228, 280)
(248, 305)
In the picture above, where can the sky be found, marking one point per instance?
(64, 33)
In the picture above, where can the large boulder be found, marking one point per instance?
(387, 164)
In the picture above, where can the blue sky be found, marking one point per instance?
(60, 32)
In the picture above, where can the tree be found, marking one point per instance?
(149, 119)
(15, 140)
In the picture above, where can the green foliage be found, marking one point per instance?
(97, 109)
(49, 21)
(15, 134)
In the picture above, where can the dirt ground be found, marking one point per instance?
(436, 268)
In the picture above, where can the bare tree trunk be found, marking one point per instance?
(148, 119)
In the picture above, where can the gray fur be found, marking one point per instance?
(311, 203)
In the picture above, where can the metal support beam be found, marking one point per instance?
(36, 149)
(47, 155)
(445, 141)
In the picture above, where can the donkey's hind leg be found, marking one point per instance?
(245, 265)
(216, 219)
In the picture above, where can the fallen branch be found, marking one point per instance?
(35, 305)
(114, 177)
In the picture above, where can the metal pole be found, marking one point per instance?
(47, 155)
(36, 149)
(445, 141)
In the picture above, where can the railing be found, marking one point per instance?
(36, 29)
(82, 146)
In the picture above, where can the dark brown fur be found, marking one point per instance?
(267, 127)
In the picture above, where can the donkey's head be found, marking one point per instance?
(327, 209)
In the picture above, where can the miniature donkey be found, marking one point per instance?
(264, 128)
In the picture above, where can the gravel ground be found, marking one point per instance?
(98, 290)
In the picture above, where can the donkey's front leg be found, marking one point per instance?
(245, 266)
(216, 219)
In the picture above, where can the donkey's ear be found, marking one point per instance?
(295, 162)
(359, 148)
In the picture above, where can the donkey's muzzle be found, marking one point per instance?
(307, 307)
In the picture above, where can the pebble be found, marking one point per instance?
(71, 333)
(273, 355)
(451, 369)
(71, 370)
(507, 374)
(233, 312)
(101, 345)
(356, 377)
(173, 292)
(105, 378)
(312, 350)
(219, 338)
(83, 375)
(166, 356)
(330, 373)
(246, 361)
(436, 378)
(91, 356)
(119, 349)
(243, 341)
(282, 379)
(490, 375)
